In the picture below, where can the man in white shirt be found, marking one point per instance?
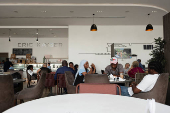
(148, 82)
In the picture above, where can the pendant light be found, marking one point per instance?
(9, 35)
(149, 27)
(37, 35)
(93, 27)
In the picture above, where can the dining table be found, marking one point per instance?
(87, 103)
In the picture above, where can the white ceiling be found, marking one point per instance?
(31, 33)
(78, 12)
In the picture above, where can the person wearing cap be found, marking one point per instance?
(114, 68)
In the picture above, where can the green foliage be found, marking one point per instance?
(158, 52)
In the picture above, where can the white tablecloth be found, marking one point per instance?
(86, 103)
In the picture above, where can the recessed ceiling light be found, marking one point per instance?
(154, 11)
(15, 11)
(43, 11)
(99, 11)
(36, 33)
(51, 29)
(14, 33)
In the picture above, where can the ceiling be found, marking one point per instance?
(77, 12)
(31, 33)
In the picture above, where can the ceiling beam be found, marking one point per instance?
(33, 26)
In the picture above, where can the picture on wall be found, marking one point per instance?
(122, 53)
(22, 51)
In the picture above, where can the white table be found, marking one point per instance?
(86, 103)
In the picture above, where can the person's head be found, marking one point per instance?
(64, 63)
(7, 59)
(3, 61)
(11, 65)
(139, 60)
(155, 67)
(48, 64)
(71, 64)
(30, 67)
(127, 65)
(114, 62)
(135, 64)
(76, 66)
(44, 65)
(86, 65)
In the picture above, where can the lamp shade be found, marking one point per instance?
(93, 27)
(149, 27)
(9, 40)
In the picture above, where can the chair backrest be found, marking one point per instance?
(61, 81)
(6, 92)
(49, 82)
(159, 91)
(39, 88)
(28, 75)
(96, 78)
(69, 78)
(98, 88)
(45, 70)
(139, 77)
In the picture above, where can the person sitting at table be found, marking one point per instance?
(71, 66)
(11, 66)
(114, 68)
(82, 71)
(135, 69)
(62, 69)
(49, 67)
(44, 68)
(30, 71)
(126, 69)
(76, 67)
(148, 82)
(140, 64)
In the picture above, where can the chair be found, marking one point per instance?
(50, 82)
(159, 91)
(139, 76)
(60, 83)
(69, 78)
(98, 88)
(96, 78)
(32, 93)
(29, 77)
(102, 71)
(6, 92)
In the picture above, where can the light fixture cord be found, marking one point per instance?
(9, 33)
(148, 18)
(37, 33)
(93, 18)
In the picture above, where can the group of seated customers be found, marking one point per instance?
(148, 82)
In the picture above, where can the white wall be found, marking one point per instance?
(82, 40)
(38, 52)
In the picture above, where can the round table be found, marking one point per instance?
(87, 103)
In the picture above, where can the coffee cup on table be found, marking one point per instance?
(121, 75)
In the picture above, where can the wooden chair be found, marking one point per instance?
(98, 88)
(50, 82)
(60, 83)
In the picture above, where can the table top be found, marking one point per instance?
(126, 81)
(87, 103)
(19, 80)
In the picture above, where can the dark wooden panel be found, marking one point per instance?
(166, 27)
(20, 51)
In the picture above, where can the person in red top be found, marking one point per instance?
(135, 69)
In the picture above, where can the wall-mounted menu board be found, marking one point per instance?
(22, 51)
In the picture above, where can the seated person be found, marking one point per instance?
(44, 68)
(71, 66)
(76, 68)
(11, 66)
(126, 69)
(140, 65)
(148, 82)
(30, 71)
(82, 71)
(135, 69)
(62, 70)
(49, 67)
(114, 68)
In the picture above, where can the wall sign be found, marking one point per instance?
(40, 45)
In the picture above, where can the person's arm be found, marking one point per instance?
(93, 67)
(134, 88)
(38, 71)
(106, 71)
